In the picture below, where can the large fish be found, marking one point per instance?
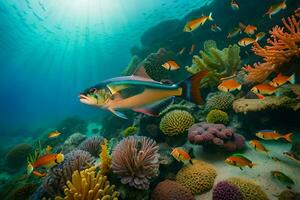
(139, 94)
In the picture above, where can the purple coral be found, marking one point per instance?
(92, 145)
(217, 135)
(135, 161)
(224, 191)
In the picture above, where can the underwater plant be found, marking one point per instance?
(283, 47)
(176, 122)
(60, 174)
(73, 141)
(224, 190)
(217, 116)
(213, 136)
(198, 177)
(219, 63)
(92, 145)
(131, 130)
(105, 158)
(169, 190)
(135, 161)
(220, 100)
(89, 184)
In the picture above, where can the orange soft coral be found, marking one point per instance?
(283, 46)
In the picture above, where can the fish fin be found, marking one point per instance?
(292, 79)
(210, 17)
(191, 87)
(141, 72)
(240, 87)
(260, 96)
(116, 88)
(288, 137)
(29, 168)
(191, 162)
(117, 113)
(241, 168)
(155, 108)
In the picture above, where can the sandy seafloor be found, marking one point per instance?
(261, 173)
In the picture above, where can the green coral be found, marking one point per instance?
(220, 63)
(249, 189)
(217, 116)
(131, 130)
(176, 122)
(220, 100)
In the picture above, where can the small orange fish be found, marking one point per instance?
(239, 160)
(38, 174)
(234, 32)
(280, 79)
(250, 29)
(171, 65)
(259, 36)
(273, 135)
(264, 89)
(192, 49)
(234, 5)
(54, 134)
(196, 23)
(47, 160)
(246, 41)
(258, 146)
(48, 149)
(229, 85)
(215, 28)
(181, 155)
(274, 9)
(181, 51)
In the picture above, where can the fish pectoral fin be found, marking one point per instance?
(241, 168)
(117, 113)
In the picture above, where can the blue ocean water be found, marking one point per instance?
(50, 50)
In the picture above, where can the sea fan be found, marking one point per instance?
(135, 160)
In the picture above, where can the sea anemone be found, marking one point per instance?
(92, 145)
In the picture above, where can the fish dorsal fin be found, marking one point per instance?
(241, 156)
(116, 88)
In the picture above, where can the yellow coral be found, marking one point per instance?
(249, 189)
(89, 185)
(176, 122)
(105, 163)
(197, 178)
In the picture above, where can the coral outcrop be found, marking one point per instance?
(105, 158)
(220, 100)
(73, 142)
(283, 47)
(212, 136)
(170, 190)
(225, 191)
(176, 122)
(217, 116)
(135, 161)
(197, 178)
(92, 145)
(89, 184)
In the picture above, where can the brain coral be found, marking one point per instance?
(225, 191)
(170, 190)
(249, 189)
(15, 159)
(220, 101)
(176, 122)
(197, 178)
(217, 116)
(135, 161)
(92, 145)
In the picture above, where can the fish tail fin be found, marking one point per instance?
(191, 162)
(288, 137)
(210, 17)
(292, 79)
(29, 168)
(191, 87)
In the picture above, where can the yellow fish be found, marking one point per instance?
(196, 23)
(54, 134)
(246, 41)
(274, 9)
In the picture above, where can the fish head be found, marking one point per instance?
(60, 158)
(229, 161)
(187, 29)
(254, 90)
(94, 96)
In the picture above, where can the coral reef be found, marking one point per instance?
(60, 174)
(16, 158)
(131, 130)
(89, 184)
(213, 136)
(271, 102)
(92, 145)
(73, 142)
(24, 192)
(220, 63)
(105, 158)
(224, 191)
(283, 47)
(197, 178)
(132, 66)
(176, 122)
(217, 116)
(220, 100)
(170, 190)
(249, 189)
(135, 161)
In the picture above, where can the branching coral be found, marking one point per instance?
(88, 185)
(105, 163)
(135, 161)
(220, 63)
(283, 46)
(92, 145)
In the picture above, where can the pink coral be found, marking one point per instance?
(135, 161)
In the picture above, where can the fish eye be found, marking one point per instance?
(92, 90)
